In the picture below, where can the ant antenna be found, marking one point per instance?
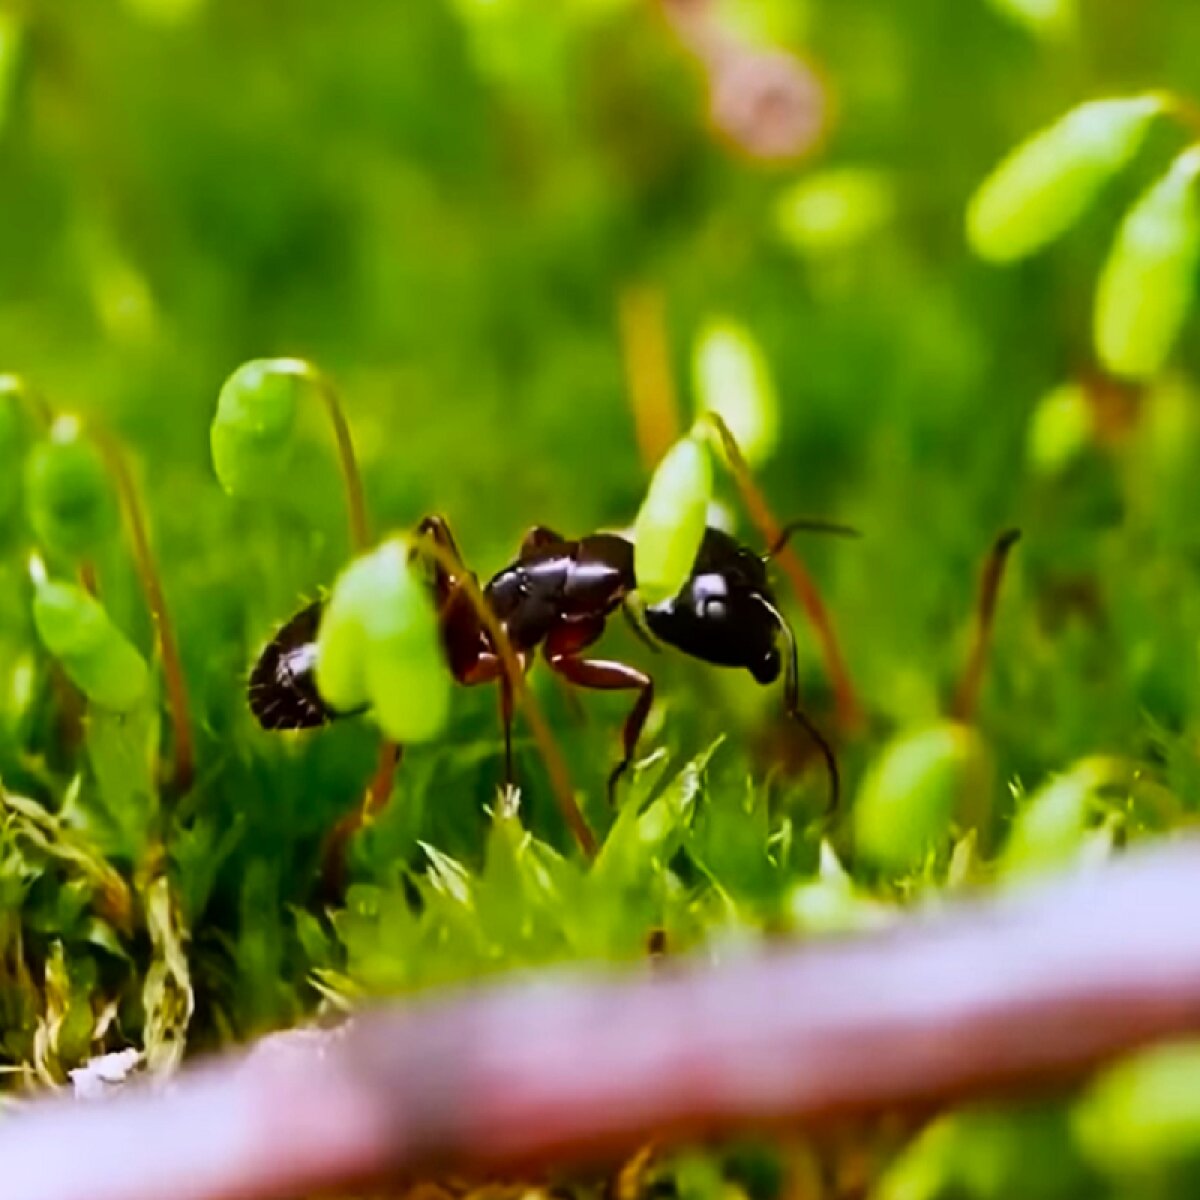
(791, 700)
(807, 526)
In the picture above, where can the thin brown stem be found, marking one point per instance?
(88, 579)
(641, 314)
(556, 766)
(375, 800)
(151, 583)
(849, 712)
(966, 697)
(379, 790)
(582, 1067)
(356, 504)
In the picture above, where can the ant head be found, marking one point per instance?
(725, 613)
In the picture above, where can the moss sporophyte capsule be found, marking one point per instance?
(96, 656)
(67, 490)
(671, 522)
(379, 645)
(252, 434)
(1044, 186)
(1149, 279)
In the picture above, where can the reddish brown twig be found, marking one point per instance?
(966, 698)
(1022, 992)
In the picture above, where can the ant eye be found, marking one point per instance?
(714, 609)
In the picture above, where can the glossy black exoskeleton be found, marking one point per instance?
(558, 596)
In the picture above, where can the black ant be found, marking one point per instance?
(559, 594)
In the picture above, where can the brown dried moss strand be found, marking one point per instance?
(849, 711)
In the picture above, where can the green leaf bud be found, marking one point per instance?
(379, 644)
(1149, 278)
(732, 379)
(253, 433)
(1144, 1111)
(68, 492)
(828, 212)
(671, 522)
(1044, 185)
(912, 793)
(96, 656)
(1061, 428)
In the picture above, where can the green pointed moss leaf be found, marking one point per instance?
(119, 812)
(1049, 829)
(95, 654)
(252, 434)
(379, 644)
(1043, 186)
(1149, 278)
(1143, 1112)
(670, 524)
(732, 379)
(67, 491)
(913, 792)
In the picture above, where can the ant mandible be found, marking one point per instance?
(558, 594)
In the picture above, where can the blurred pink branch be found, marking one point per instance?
(1019, 992)
(766, 103)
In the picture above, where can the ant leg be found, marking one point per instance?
(603, 675)
(791, 704)
(489, 668)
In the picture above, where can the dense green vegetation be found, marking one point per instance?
(459, 210)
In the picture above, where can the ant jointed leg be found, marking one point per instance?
(557, 597)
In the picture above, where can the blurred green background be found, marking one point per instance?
(442, 202)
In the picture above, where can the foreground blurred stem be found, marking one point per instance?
(573, 1068)
(147, 571)
(849, 711)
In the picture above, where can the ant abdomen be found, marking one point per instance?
(282, 690)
